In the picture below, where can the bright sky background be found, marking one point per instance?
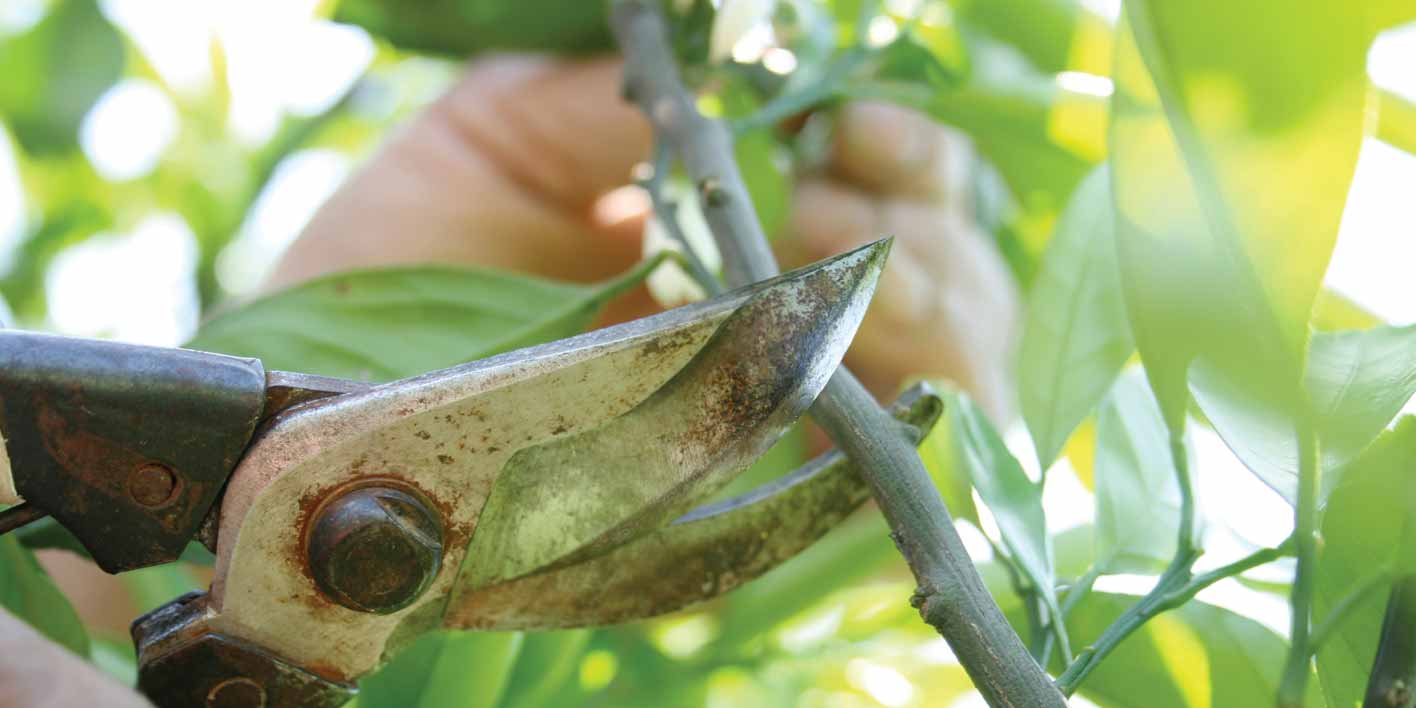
(281, 61)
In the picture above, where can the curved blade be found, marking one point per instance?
(703, 554)
(532, 459)
(578, 496)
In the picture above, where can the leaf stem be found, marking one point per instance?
(1169, 593)
(666, 211)
(824, 86)
(1075, 594)
(1175, 579)
(1292, 686)
(951, 596)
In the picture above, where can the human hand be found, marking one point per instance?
(37, 673)
(509, 168)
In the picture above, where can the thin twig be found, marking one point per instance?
(1168, 594)
(1079, 590)
(1292, 687)
(950, 596)
(1176, 577)
(666, 211)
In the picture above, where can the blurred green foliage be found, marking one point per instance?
(1189, 215)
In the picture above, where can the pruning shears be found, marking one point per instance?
(562, 485)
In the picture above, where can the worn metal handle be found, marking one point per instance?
(127, 446)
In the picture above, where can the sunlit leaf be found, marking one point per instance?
(939, 454)
(766, 171)
(461, 27)
(55, 71)
(1357, 382)
(909, 59)
(1137, 497)
(856, 548)
(1361, 532)
(386, 324)
(1232, 151)
(546, 661)
(1041, 29)
(1014, 499)
(1075, 337)
(1198, 655)
(27, 592)
(444, 669)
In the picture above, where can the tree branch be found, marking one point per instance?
(951, 596)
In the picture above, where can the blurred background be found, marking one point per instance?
(156, 157)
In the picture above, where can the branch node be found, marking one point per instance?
(711, 192)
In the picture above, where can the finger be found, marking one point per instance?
(453, 186)
(945, 305)
(37, 673)
(559, 127)
(889, 149)
(829, 218)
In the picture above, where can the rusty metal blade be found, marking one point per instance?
(528, 459)
(576, 497)
(703, 554)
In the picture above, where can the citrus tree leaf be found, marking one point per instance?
(462, 27)
(445, 668)
(381, 325)
(1196, 655)
(1362, 533)
(1014, 499)
(54, 73)
(1356, 381)
(1232, 152)
(1041, 29)
(27, 592)
(1075, 336)
(546, 661)
(1137, 497)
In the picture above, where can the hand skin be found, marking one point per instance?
(508, 170)
(37, 673)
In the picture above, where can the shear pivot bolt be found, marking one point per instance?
(375, 549)
(152, 485)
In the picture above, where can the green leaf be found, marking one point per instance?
(1014, 499)
(939, 454)
(1197, 655)
(54, 72)
(462, 27)
(381, 325)
(1041, 29)
(1137, 498)
(546, 661)
(766, 170)
(910, 59)
(851, 551)
(1010, 110)
(28, 593)
(1356, 381)
(1232, 152)
(1075, 337)
(1362, 531)
(446, 669)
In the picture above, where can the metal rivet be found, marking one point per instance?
(375, 549)
(152, 485)
(236, 693)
